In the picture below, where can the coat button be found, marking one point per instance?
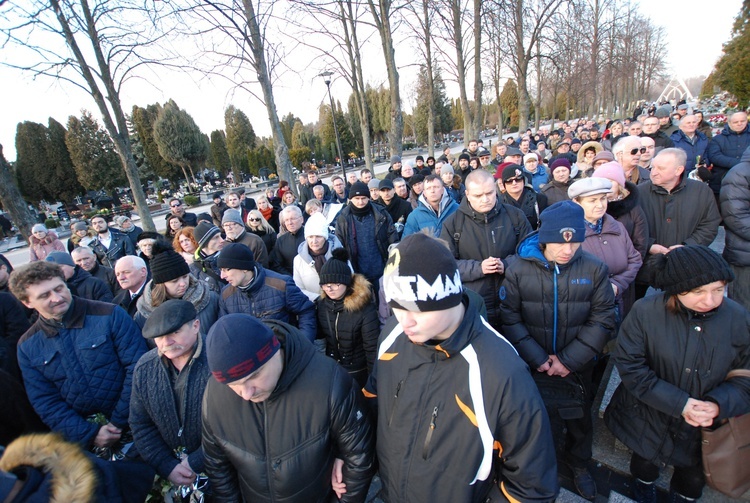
(605, 241)
(697, 329)
(687, 371)
(669, 220)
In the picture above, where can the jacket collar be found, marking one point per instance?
(74, 318)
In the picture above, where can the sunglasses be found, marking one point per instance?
(642, 150)
(253, 219)
(175, 205)
(514, 180)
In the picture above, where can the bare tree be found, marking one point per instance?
(525, 21)
(382, 14)
(232, 36)
(341, 23)
(94, 48)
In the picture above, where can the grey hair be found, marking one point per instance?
(679, 155)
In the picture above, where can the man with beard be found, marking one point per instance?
(110, 244)
(396, 207)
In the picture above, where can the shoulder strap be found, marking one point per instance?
(738, 373)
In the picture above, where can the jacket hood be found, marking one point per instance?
(461, 338)
(298, 352)
(197, 293)
(581, 156)
(79, 276)
(619, 208)
(528, 249)
(73, 474)
(304, 251)
(360, 296)
(727, 131)
(445, 202)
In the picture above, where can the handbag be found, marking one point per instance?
(726, 452)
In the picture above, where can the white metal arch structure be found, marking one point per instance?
(676, 89)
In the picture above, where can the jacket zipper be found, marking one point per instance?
(336, 333)
(269, 465)
(395, 400)
(430, 430)
(555, 272)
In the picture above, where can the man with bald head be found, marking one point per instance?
(726, 148)
(693, 142)
(482, 234)
(628, 153)
(132, 275)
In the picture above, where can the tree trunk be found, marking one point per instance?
(458, 40)
(281, 151)
(358, 85)
(117, 126)
(382, 15)
(430, 80)
(538, 100)
(478, 121)
(13, 201)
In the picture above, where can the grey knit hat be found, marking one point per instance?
(232, 216)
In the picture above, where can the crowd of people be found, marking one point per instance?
(446, 326)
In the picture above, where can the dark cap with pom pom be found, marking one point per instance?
(167, 264)
(336, 269)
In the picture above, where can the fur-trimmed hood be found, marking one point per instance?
(73, 475)
(360, 296)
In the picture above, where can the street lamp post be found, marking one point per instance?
(327, 79)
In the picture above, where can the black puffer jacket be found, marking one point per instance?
(735, 209)
(350, 326)
(452, 415)
(282, 256)
(282, 449)
(474, 237)
(629, 213)
(665, 358)
(550, 309)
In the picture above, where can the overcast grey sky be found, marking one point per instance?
(696, 31)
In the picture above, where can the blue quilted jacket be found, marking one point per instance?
(81, 366)
(272, 296)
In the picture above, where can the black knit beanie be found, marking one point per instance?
(336, 269)
(689, 267)
(167, 264)
(412, 283)
(236, 256)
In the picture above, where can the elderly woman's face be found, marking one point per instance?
(127, 224)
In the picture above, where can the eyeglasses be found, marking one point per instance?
(253, 219)
(176, 205)
(514, 180)
(642, 150)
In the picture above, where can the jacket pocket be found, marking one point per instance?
(49, 364)
(95, 351)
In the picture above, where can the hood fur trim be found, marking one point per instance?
(361, 294)
(73, 475)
